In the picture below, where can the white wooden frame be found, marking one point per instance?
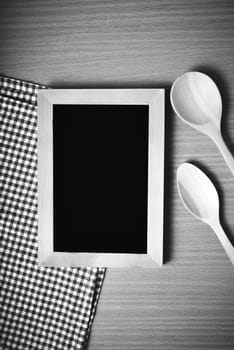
(154, 98)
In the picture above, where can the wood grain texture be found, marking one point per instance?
(189, 303)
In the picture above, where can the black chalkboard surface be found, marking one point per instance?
(100, 163)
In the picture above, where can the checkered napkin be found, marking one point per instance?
(40, 307)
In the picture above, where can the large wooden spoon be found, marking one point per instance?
(197, 101)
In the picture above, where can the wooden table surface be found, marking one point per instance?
(189, 303)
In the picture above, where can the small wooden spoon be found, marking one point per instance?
(200, 198)
(196, 99)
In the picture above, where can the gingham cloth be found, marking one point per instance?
(40, 308)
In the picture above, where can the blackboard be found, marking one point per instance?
(100, 177)
(100, 161)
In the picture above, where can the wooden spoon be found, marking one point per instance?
(200, 198)
(196, 99)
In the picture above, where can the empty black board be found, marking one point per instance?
(100, 178)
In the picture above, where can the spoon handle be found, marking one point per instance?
(225, 152)
(227, 245)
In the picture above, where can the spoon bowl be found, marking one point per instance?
(196, 99)
(200, 198)
(197, 193)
